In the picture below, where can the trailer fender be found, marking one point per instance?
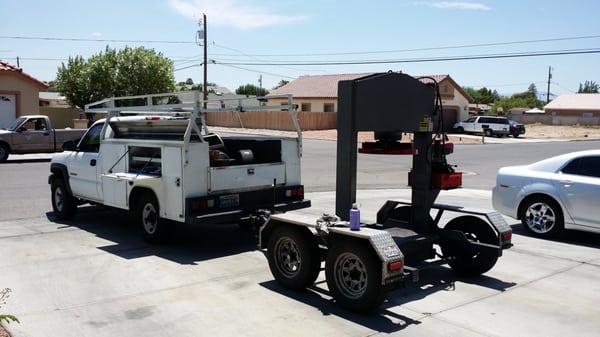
(382, 244)
(267, 229)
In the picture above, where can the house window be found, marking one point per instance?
(328, 107)
(305, 107)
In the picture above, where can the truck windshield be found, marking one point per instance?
(15, 124)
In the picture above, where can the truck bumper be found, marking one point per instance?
(236, 215)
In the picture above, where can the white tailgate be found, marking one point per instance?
(245, 176)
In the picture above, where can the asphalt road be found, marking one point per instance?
(24, 190)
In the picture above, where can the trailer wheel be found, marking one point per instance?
(353, 274)
(294, 257)
(468, 263)
(147, 215)
(64, 204)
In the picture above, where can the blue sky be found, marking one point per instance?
(241, 28)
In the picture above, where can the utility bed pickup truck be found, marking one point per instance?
(34, 134)
(161, 167)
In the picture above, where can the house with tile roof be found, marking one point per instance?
(570, 109)
(19, 93)
(318, 94)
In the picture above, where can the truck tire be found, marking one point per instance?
(541, 216)
(468, 263)
(353, 273)
(488, 132)
(460, 129)
(147, 215)
(64, 204)
(4, 152)
(294, 257)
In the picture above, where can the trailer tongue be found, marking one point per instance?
(362, 266)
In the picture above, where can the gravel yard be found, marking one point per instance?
(562, 131)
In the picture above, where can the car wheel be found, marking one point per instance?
(515, 135)
(487, 132)
(4, 152)
(460, 129)
(293, 257)
(542, 216)
(147, 214)
(64, 204)
(353, 274)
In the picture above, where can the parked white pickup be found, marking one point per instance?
(155, 167)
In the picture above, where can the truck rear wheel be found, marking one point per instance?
(64, 204)
(469, 263)
(147, 215)
(4, 152)
(293, 257)
(353, 274)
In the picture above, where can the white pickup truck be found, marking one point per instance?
(34, 134)
(161, 167)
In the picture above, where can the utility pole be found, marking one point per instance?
(205, 85)
(18, 63)
(260, 81)
(549, 79)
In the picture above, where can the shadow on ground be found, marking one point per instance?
(190, 245)
(568, 236)
(384, 319)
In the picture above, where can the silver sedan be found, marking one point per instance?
(552, 194)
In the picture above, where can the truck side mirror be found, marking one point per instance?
(21, 129)
(71, 145)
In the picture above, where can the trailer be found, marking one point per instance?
(154, 156)
(362, 266)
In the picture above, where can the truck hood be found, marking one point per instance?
(2, 131)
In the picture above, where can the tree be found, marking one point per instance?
(483, 95)
(189, 81)
(588, 87)
(281, 84)
(251, 90)
(125, 72)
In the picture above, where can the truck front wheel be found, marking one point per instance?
(64, 204)
(4, 152)
(353, 274)
(293, 257)
(147, 215)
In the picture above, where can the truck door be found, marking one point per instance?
(84, 166)
(32, 136)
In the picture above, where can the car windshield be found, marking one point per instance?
(15, 124)
(511, 122)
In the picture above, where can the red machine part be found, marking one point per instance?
(442, 181)
(395, 148)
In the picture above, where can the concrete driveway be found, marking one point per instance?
(94, 276)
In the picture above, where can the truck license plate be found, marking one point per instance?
(232, 200)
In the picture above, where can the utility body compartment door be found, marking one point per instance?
(245, 177)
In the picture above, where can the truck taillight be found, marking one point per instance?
(506, 236)
(152, 118)
(396, 265)
(295, 192)
(203, 204)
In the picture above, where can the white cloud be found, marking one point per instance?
(96, 34)
(456, 5)
(231, 13)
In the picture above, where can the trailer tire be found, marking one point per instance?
(147, 215)
(4, 153)
(471, 264)
(294, 257)
(353, 273)
(64, 204)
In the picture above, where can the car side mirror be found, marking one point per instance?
(71, 145)
(21, 129)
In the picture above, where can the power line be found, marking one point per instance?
(49, 38)
(432, 59)
(254, 70)
(186, 67)
(491, 44)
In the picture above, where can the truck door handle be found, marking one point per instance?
(93, 162)
(567, 183)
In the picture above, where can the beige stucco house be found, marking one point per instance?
(318, 94)
(19, 93)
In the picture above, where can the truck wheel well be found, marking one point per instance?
(5, 144)
(531, 196)
(135, 194)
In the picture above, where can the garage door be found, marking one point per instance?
(450, 118)
(8, 109)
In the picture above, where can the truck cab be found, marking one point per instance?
(156, 167)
